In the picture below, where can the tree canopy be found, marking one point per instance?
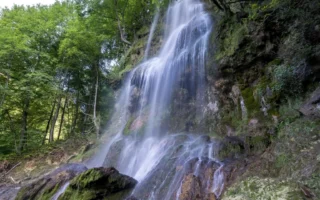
(53, 67)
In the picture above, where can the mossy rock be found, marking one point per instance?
(251, 103)
(46, 187)
(99, 183)
(263, 189)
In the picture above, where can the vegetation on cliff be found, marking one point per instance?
(267, 75)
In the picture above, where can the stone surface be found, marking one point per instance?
(99, 183)
(45, 187)
(8, 192)
(262, 189)
(191, 188)
(311, 107)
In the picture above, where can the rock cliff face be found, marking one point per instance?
(262, 80)
(265, 78)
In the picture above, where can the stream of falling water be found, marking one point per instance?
(152, 29)
(162, 161)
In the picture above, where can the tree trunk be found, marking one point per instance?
(54, 120)
(95, 119)
(6, 87)
(69, 119)
(13, 131)
(48, 124)
(62, 116)
(75, 119)
(122, 31)
(23, 135)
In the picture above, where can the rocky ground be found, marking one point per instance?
(21, 170)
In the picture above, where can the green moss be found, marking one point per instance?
(263, 189)
(232, 36)
(94, 184)
(86, 178)
(71, 194)
(252, 105)
(313, 182)
(77, 189)
(229, 151)
(143, 31)
(282, 160)
(126, 130)
(21, 193)
(50, 192)
(288, 111)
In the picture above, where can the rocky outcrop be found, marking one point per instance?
(263, 188)
(8, 192)
(45, 187)
(99, 183)
(311, 107)
(191, 188)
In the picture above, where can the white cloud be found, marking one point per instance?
(10, 3)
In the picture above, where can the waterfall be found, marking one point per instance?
(137, 141)
(153, 27)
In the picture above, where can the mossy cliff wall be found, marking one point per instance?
(264, 76)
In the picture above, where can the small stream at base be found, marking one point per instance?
(60, 191)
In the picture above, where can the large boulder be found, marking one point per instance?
(99, 183)
(46, 187)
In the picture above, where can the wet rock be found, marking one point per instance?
(132, 198)
(230, 147)
(99, 183)
(8, 192)
(211, 196)
(138, 123)
(113, 154)
(45, 187)
(311, 107)
(251, 188)
(191, 188)
(135, 99)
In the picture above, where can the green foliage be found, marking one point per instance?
(234, 34)
(294, 147)
(314, 182)
(286, 80)
(256, 9)
(282, 160)
(51, 59)
(251, 103)
(288, 111)
(83, 180)
(263, 189)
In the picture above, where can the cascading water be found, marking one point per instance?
(139, 144)
(152, 29)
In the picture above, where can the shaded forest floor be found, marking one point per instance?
(20, 169)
